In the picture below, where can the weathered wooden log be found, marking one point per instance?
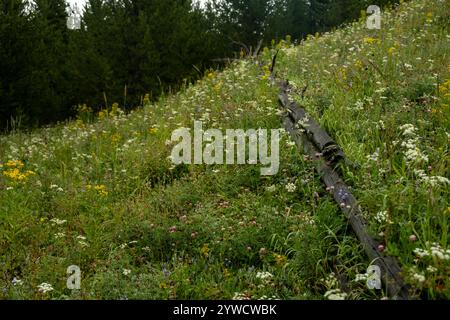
(390, 271)
(324, 143)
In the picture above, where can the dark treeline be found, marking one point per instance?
(127, 48)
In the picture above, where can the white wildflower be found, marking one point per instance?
(58, 221)
(374, 156)
(240, 296)
(335, 294)
(291, 187)
(16, 282)
(60, 235)
(45, 287)
(83, 244)
(359, 105)
(421, 253)
(331, 280)
(420, 278)
(264, 275)
(126, 272)
(432, 269)
(360, 277)
(383, 217)
(408, 130)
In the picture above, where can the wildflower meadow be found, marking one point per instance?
(101, 192)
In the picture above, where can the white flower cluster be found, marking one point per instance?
(330, 280)
(17, 282)
(359, 105)
(383, 217)
(291, 187)
(431, 269)
(58, 188)
(335, 294)
(381, 125)
(435, 251)
(360, 277)
(413, 154)
(268, 298)
(291, 143)
(58, 221)
(432, 181)
(374, 156)
(240, 296)
(420, 278)
(126, 272)
(60, 235)
(264, 275)
(45, 287)
(303, 123)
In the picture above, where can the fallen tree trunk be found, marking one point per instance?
(324, 143)
(316, 139)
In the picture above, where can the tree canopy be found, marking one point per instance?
(125, 49)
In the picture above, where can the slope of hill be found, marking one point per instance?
(100, 192)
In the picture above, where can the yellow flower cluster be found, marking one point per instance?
(14, 171)
(205, 250)
(101, 189)
(115, 138)
(280, 259)
(444, 91)
(267, 72)
(115, 110)
(371, 40)
(444, 88)
(146, 100)
(14, 164)
(84, 109)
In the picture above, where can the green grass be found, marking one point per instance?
(101, 193)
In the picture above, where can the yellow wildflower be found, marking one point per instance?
(218, 87)
(102, 114)
(146, 99)
(14, 163)
(205, 250)
(115, 138)
(163, 285)
(115, 110)
(344, 73)
(16, 174)
(280, 259)
(371, 40)
(101, 189)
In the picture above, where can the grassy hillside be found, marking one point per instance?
(101, 193)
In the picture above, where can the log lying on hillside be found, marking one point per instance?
(323, 142)
(316, 139)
